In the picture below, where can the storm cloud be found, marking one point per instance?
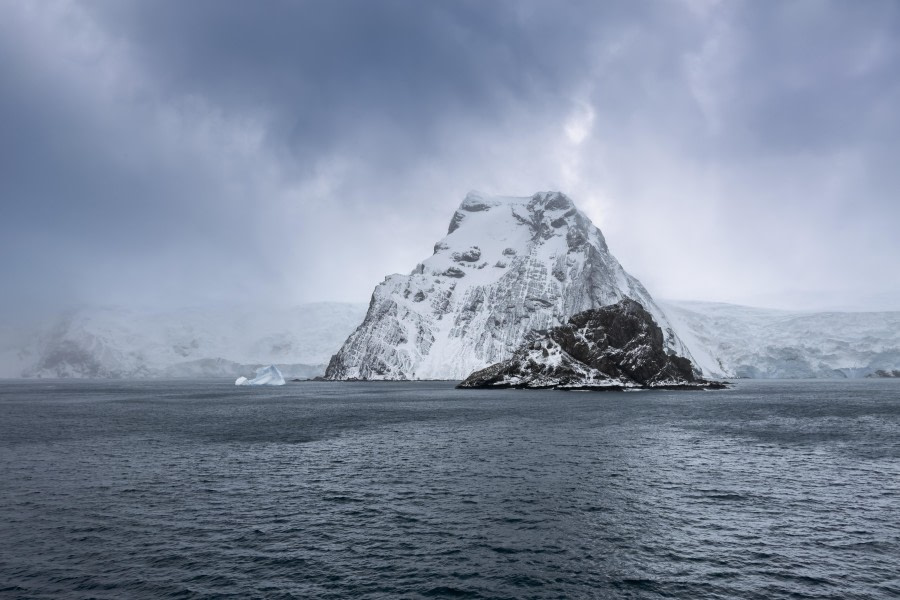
(196, 153)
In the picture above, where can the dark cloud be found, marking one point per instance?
(375, 76)
(208, 151)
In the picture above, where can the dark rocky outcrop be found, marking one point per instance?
(615, 347)
(470, 255)
(455, 222)
(885, 373)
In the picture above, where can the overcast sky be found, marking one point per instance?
(168, 153)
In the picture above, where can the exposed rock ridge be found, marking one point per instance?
(610, 348)
(506, 267)
(895, 373)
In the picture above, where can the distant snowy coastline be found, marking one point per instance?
(190, 343)
(728, 340)
(725, 340)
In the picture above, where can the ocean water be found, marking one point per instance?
(200, 489)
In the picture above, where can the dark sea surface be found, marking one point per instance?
(201, 489)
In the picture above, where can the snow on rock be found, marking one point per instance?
(894, 374)
(727, 340)
(264, 376)
(507, 266)
(615, 347)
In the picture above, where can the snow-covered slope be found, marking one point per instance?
(506, 267)
(187, 343)
(739, 341)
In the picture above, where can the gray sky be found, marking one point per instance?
(173, 153)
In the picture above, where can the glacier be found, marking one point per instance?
(728, 340)
(264, 376)
(116, 343)
(507, 266)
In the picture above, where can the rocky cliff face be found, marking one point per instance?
(613, 347)
(506, 267)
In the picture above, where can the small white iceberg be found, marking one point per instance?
(264, 376)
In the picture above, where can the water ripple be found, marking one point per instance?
(201, 490)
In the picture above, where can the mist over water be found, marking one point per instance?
(335, 490)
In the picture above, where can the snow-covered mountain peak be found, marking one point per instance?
(488, 233)
(530, 211)
(507, 265)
